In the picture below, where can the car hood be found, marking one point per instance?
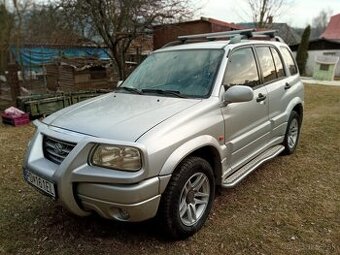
(118, 116)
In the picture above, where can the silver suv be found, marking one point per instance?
(191, 117)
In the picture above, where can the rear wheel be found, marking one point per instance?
(188, 198)
(292, 134)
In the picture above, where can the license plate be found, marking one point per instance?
(41, 183)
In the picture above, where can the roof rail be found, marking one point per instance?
(270, 33)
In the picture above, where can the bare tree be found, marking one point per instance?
(21, 7)
(6, 25)
(52, 17)
(119, 22)
(263, 11)
(320, 23)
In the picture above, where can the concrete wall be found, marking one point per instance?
(312, 54)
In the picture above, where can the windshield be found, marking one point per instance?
(179, 73)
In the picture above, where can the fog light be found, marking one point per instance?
(124, 215)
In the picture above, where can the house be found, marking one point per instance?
(287, 33)
(332, 31)
(164, 34)
(327, 45)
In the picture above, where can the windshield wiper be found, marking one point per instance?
(132, 90)
(175, 93)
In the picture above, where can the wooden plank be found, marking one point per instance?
(47, 106)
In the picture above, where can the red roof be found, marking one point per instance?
(332, 31)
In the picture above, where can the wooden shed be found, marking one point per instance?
(324, 68)
(72, 74)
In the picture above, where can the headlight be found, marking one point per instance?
(117, 157)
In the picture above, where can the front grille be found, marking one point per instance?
(56, 150)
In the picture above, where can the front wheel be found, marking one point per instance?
(292, 134)
(188, 198)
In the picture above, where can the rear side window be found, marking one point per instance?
(266, 63)
(278, 64)
(241, 69)
(288, 59)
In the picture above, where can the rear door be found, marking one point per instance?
(247, 126)
(280, 85)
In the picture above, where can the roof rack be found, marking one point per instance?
(212, 36)
(235, 36)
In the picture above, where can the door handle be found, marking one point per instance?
(260, 97)
(287, 86)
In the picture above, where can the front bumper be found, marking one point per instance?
(81, 188)
(135, 202)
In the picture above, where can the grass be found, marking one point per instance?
(291, 205)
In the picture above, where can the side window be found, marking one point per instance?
(266, 63)
(288, 59)
(280, 71)
(241, 69)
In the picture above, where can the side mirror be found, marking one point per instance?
(119, 83)
(238, 94)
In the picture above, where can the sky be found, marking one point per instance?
(300, 13)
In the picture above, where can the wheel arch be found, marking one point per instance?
(298, 108)
(211, 155)
(296, 104)
(206, 147)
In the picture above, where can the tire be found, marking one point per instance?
(292, 133)
(188, 198)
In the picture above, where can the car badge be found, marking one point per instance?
(58, 148)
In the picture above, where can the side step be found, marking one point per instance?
(237, 176)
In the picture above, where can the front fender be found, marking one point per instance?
(187, 148)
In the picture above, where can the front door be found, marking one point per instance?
(247, 126)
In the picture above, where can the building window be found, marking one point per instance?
(324, 67)
(329, 54)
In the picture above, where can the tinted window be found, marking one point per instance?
(288, 59)
(278, 63)
(266, 63)
(241, 69)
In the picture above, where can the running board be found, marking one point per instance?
(236, 177)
